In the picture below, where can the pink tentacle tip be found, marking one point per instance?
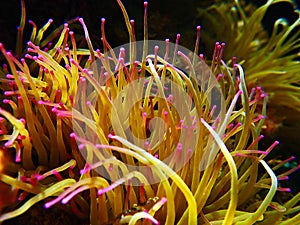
(86, 169)
(28, 56)
(82, 79)
(263, 95)
(81, 20)
(71, 97)
(239, 124)
(5, 101)
(9, 76)
(100, 192)
(180, 53)
(239, 92)
(7, 144)
(9, 54)
(284, 189)
(179, 146)
(283, 178)
(54, 109)
(73, 61)
(21, 137)
(111, 166)
(22, 120)
(219, 76)
(47, 205)
(8, 93)
(65, 201)
(30, 44)
(163, 200)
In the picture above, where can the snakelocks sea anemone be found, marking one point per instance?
(145, 133)
(271, 59)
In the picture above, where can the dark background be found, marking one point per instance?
(166, 18)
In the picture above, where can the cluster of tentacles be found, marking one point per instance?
(68, 135)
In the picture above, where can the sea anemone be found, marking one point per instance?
(119, 139)
(270, 59)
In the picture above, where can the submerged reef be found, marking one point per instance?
(149, 132)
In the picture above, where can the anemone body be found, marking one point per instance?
(75, 141)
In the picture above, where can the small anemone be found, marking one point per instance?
(271, 60)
